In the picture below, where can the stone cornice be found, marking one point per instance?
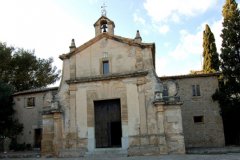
(128, 41)
(107, 77)
(51, 111)
(167, 103)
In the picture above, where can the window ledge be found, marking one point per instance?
(30, 107)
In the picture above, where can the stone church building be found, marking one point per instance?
(110, 99)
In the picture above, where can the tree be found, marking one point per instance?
(5, 60)
(210, 55)
(31, 72)
(9, 127)
(228, 94)
(23, 70)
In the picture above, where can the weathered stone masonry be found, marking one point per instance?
(148, 125)
(155, 115)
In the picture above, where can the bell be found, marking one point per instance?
(104, 27)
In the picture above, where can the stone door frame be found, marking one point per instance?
(93, 96)
(110, 107)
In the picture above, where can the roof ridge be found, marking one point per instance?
(95, 39)
(41, 89)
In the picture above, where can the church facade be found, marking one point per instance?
(110, 98)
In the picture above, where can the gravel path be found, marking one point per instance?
(232, 156)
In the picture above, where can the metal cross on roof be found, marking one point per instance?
(104, 12)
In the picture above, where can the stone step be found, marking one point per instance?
(22, 154)
(67, 153)
(107, 153)
(212, 150)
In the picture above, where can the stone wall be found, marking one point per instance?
(209, 132)
(140, 132)
(31, 116)
(131, 79)
(122, 58)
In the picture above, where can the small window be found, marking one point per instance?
(196, 90)
(31, 102)
(165, 91)
(105, 67)
(198, 119)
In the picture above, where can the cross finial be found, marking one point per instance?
(104, 12)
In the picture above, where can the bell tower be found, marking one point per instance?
(104, 24)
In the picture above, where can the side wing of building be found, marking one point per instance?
(29, 105)
(202, 122)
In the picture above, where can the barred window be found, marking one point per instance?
(165, 91)
(31, 102)
(196, 90)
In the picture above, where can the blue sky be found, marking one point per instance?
(175, 26)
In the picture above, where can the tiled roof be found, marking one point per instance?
(37, 90)
(190, 76)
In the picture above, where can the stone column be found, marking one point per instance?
(57, 141)
(169, 119)
(161, 131)
(47, 135)
(72, 109)
(174, 129)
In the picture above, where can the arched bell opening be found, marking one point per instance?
(104, 26)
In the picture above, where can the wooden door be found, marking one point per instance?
(108, 128)
(37, 138)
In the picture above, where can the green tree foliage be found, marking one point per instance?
(20, 70)
(5, 62)
(23, 70)
(210, 55)
(228, 94)
(230, 51)
(9, 127)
